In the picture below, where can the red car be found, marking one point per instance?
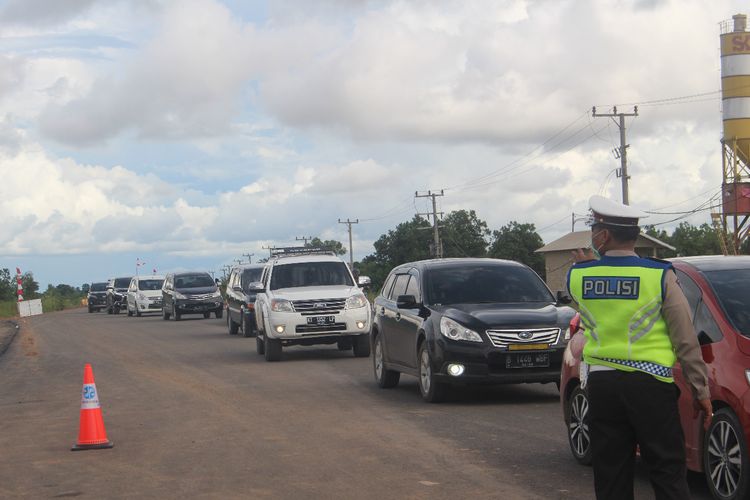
(718, 290)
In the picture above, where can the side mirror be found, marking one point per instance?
(704, 339)
(406, 302)
(237, 288)
(563, 298)
(256, 287)
(364, 281)
(217, 281)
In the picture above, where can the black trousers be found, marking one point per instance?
(628, 409)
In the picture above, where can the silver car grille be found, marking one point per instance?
(319, 306)
(203, 296)
(504, 338)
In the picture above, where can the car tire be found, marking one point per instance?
(219, 313)
(109, 309)
(247, 328)
(137, 311)
(206, 315)
(260, 345)
(130, 313)
(432, 391)
(725, 457)
(176, 314)
(272, 348)
(361, 346)
(164, 314)
(344, 344)
(90, 310)
(384, 377)
(579, 434)
(116, 310)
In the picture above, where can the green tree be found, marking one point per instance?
(335, 246)
(695, 240)
(30, 286)
(518, 242)
(464, 234)
(7, 285)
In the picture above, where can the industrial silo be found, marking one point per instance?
(735, 89)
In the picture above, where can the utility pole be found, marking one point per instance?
(270, 250)
(238, 261)
(351, 253)
(304, 239)
(622, 151)
(249, 257)
(436, 233)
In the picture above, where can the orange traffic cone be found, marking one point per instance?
(91, 433)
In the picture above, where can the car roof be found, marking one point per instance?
(451, 262)
(306, 258)
(150, 277)
(715, 262)
(242, 267)
(191, 273)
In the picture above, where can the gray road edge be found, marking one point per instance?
(8, 331)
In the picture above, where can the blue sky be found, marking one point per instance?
(189, 132)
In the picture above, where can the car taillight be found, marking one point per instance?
(251, 306)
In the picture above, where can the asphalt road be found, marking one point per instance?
(196, 413)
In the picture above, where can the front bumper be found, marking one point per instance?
(97, 300)
(149, 304)
(198, 306)
(295, 326)
(488, 364)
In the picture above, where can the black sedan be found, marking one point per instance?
(458, 321)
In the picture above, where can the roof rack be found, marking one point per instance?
(277, 252)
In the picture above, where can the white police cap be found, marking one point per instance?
(613, 213)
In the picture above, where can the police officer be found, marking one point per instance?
(638, 323)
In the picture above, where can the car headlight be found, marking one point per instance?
(178, 295)
(356, 301)
(216, 295)
(455, 331)
(281, 305)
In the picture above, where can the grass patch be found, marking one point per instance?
(8, 309)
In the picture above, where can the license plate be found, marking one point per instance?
(321, 320)
(528, 347)
(529, 360)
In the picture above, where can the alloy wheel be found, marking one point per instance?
(425, 372)
(724, 458)
(578, 428)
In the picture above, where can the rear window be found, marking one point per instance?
(150, 284)
(732, 287)
(122, 282)
(193, 281)
(98, 287)
(484, 283)
(302, 274)
(251, 276)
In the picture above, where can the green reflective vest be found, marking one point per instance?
(620, 301)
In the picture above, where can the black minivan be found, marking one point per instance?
(459, 321)
(190, 293)
(242, 287)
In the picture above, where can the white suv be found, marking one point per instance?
(144, 294)
(310, 298)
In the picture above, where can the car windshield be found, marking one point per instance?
(150, 284)
(484, 283)
(193, 281)
(251, 276)
(122, 282)
(310, 274)
(733, 290)
(98, 287)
